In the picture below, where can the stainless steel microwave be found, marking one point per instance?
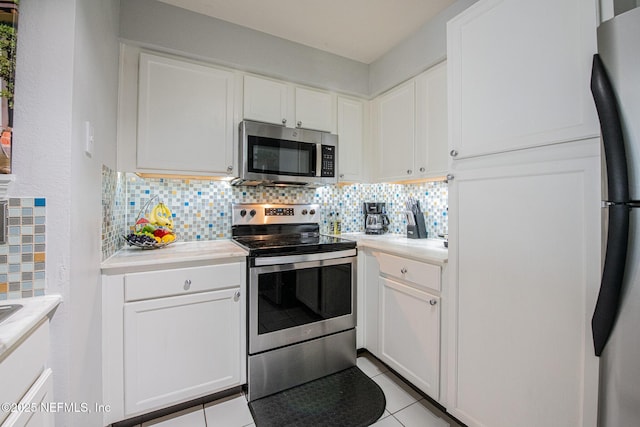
(276, 155)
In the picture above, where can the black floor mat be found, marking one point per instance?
(348, 398)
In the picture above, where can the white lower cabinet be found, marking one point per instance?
(27, 383)
(171, 336)
(410, 334)
(401, 311)
(368, 306)
(37, 398)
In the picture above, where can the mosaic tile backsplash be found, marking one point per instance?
(202, 208)
(22, 258)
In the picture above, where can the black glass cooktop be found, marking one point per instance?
(288, 242)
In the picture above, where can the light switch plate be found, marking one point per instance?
(88, 139)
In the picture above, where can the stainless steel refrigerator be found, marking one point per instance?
(616, 320)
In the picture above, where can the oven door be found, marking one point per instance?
(300, 300)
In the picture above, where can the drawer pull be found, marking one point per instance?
(187, 284)
(236, 296)
(404, 270)
(433, 301)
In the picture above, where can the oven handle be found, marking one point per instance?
(289, 259)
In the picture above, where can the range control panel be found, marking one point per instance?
(279, 211)
(254, 214)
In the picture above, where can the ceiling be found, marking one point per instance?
(362, 30)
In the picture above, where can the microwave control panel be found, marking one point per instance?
(328, 167)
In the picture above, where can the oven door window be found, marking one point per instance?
(281, 157)
(292, 298)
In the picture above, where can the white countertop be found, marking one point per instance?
(33, 310)
(428, 250)
(179, 254)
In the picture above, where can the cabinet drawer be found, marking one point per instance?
(419, 273)
(180, 281)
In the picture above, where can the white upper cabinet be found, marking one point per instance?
(273, 101)
(519, 75)
(265, 100)
(350, 139)
(185, 117)
(431, 122)
(175, 116)
(315, 110)
(396, 132)
(412, 128)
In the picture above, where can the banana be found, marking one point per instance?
(152, 216)
(161, 216)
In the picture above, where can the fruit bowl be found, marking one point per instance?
(154, 230)
(141, 242)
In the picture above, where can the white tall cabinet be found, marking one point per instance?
(524, 224)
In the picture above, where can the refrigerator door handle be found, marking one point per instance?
(608, 303)
(612, 137)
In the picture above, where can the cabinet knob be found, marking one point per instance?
(422, 169)
(433, 301)
(409, 171)
(453, 153)
(229, 169)
(403, 270)
(341, 175)
(284, 121)
(187, 284)
(450, 177)
(236, 296)
(299, 124)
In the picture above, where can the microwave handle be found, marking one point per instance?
(318, 159)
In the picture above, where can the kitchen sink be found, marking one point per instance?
(7, 310)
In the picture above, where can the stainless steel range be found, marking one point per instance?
(302, 296)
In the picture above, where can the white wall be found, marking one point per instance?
(160, 26)
(157, 25)
(66, 74)
(421, 50)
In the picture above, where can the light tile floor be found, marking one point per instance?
(405, 407)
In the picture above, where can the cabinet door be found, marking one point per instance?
(265, 100)
(519, 74)
(180, 348)
(185, 117)
(524, 259)
(37, 398)
(431, 122)
(396, 133)
(410, 334)
(350, 139)
(314, 110)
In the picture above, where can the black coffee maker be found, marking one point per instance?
(376, 220)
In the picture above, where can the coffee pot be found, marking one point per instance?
(376, 220)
